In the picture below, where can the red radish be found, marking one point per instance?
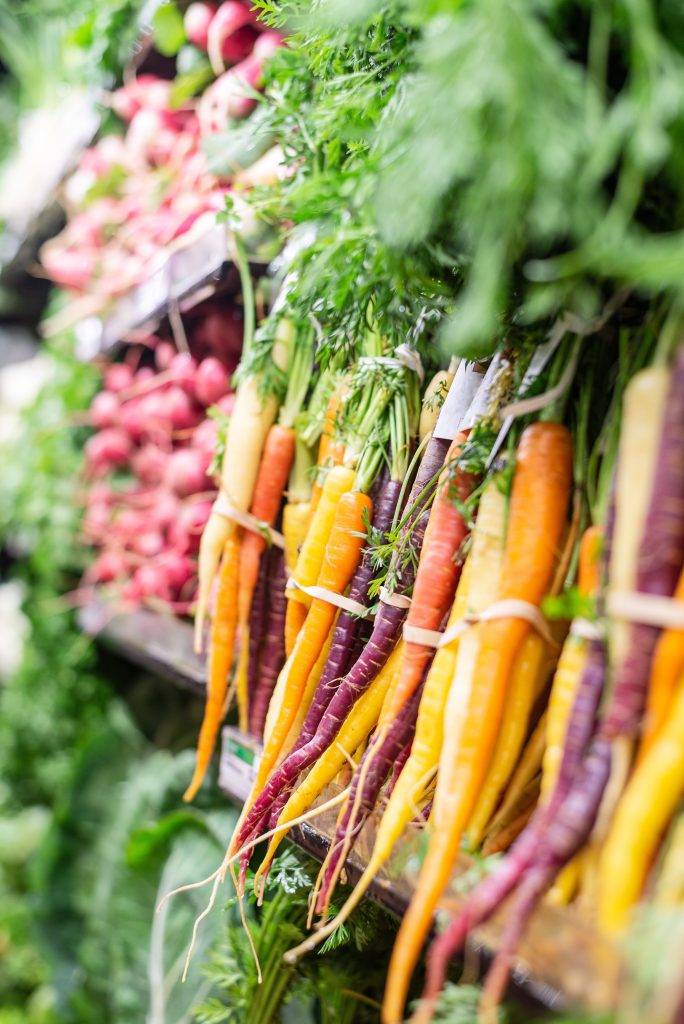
(163, 354)
(180, 410)
(109, 448)
(148, 544)
(186, 472)
(108, 566)
(228, 99)
(144, 92)
(129, 523)
(69, 268)
(104, 410)
(205, 437)
(182, 370)
(143, 374)
(196, 22)
(131, 592)
(230, 17)
(165, 510)
(211, 381)
(150, 582)
(176, 567)
(227, 403)
(118, 377)
(133, 419)
(97, 519)
(185, 532)
(149, 464)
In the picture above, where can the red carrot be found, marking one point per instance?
(273, 654)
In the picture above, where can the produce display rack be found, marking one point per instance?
(185, 275)
(561, 963)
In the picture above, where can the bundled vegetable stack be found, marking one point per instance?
(149, 466)
(416, 646)
(134, 197)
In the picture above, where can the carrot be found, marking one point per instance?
(528, 677)
(250, 423)
(433, 716)
(354, 730)
(539, 500)
(330, 448)
(523, 778)
(666, 670)
(433, 399)
(338, 481)
(296, 522)
(669, 886)
(341, 556)
(273, 653)
(438, 570)
(509, 833)
(491, 892)
(270, 483)
(223, 628)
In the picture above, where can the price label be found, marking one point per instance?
(240, 756)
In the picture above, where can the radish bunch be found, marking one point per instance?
(148, 469)
(132, 196)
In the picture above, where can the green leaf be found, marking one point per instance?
(167, 29)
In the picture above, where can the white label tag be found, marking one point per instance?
(202, 257)
(240, 757)
(456, 404)
(152, 294)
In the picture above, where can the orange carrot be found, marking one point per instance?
(342, 555)
(330, 448)
(666, 672)
(541, 487)
(268, 492)
(438, 572)
(223, 627)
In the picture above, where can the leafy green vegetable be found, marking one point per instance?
(167, 28)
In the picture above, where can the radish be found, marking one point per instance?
(108, 449)
(230, 17)
(69, 268)
(227, 98)
(148, 544)
(149, 581)
(149, 464)
(176, 567)
(144, 92)
(163, 354)
(179, 408)
(205, 436)
(211, 381)
(133, 419)
(104, 410)
(118, 377)
(186, 472)
(227, 404)
(196, 22)
(107, 567)
(182, 370)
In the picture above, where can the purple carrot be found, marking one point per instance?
(257, 626)
(490, 893)
(387, 625)
(565, 836)
(273, 654)
(401, 760)
(348, 626)
(375, 766)
(659, 562)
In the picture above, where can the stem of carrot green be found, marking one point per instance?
(247, 288)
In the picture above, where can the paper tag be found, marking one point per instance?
(457, 402)
(240, 757)
(537, 364)
(480, 403)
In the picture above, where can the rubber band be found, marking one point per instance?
(347, 604)
(511, 608)
(222, 507)
(649, 609)
(394, 600)
(585, 629)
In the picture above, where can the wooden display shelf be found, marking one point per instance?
(562, 961)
